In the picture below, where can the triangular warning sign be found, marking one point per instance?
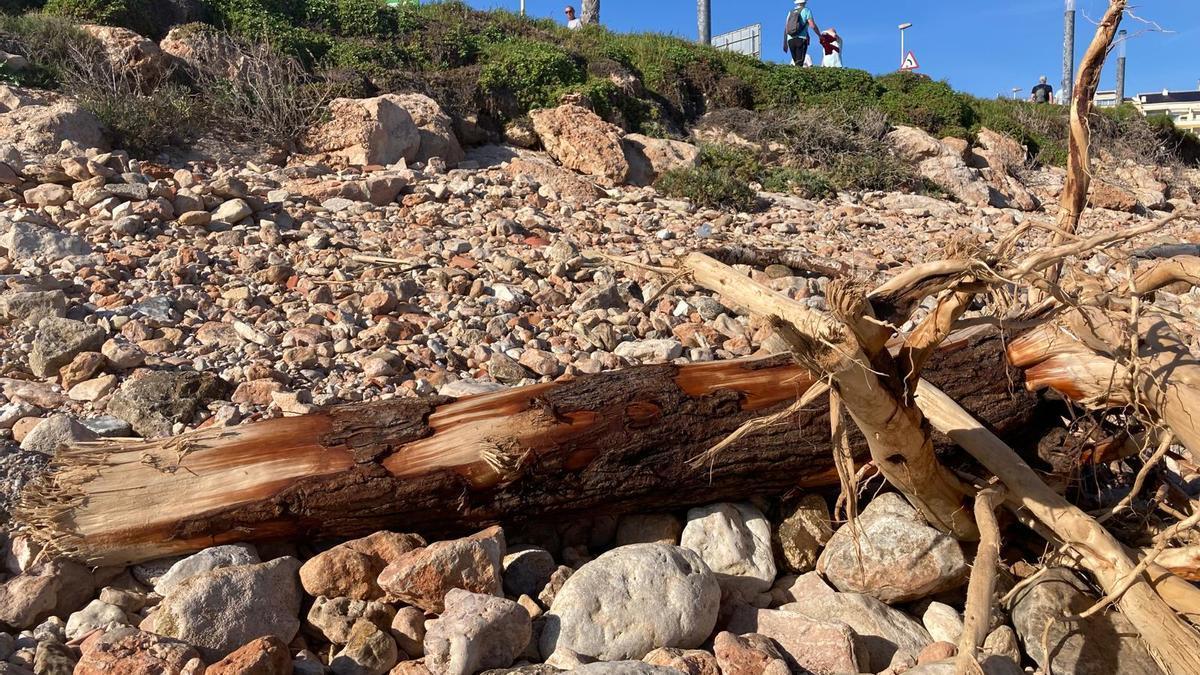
(910, 62)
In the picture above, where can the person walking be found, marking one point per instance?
(1042, 92)
(573, 22)
(831, 42)
(795, 33)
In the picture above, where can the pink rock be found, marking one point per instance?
(423, 577)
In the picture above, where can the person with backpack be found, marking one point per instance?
(795, 34)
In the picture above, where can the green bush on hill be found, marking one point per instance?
(531, 71)
(919, 101)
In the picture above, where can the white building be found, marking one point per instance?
(1183, 107)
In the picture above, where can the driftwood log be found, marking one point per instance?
(612, 442)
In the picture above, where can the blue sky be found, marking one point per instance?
(980, 46)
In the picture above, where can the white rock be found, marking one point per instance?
(97, 614)
(207, 560)
(734, 540)
(633, 600)
(943, 622)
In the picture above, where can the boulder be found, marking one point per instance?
(579, 140)
(563, 184)
(892, 554)
(734, 540)
(527, 570)
(368, 651)
(998, 151)
(334, 618)
(690, 661)
(884, 631)
(97, 614)
(476, 632)
(351, 569)
(422, 577)
(435, 127)
(129, 651)
(26, 240)
(943, 622)
(201, 48)
(130, 54)
(359, 132)
(57, 341)
(632, 600)
(808, 644)
(945, 165)
(651, 157)
(222, 610)
(207, 560)
(54, 432)
(661, 350)
(408, 630)
(749, 654)
(1108, 195)
(55, 588)
(1103, 643)
(156, 401)
(31, 307)
(803, 532)
(40, 124)
(263, 656)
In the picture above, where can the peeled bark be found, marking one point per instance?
(612, 442)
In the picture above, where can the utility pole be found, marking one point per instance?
(704, 21)
(1121, 54)
(1068, 81)
(590, 13)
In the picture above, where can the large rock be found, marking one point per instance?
(58, 341)
(734, 540)
(42, 123)
(54, 432)
(334, 618)
(423, 577)
(946, 167)
(809, 645)
(690, 661)
(207, 560)
(749, 654)
(55, 588)
(892, 554)
(1103, 643)
(527, 570)
(803, 532)
(882, 629)
(365, 131)
(476, 632)
(999, 152)
(154, 402)
(368, 651)
(351, 569)
(129, 651)
(651, 157)
(222, 610)
(32, 306)
(130, 54)
(264, 656)
(435, 126)
(26, 240)
(561, 183)
(632, 600)
(578, 139)
(97, 614)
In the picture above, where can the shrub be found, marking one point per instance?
(919, 101)
(1041, 128)
(47, 42)
(807, 184)
(529, 70)
(845, 88)
(140, 16)
(708, 186)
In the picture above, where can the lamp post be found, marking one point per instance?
(704, 21)
(1068, 67)
(1121, 53)
(522, 7)
(1016, 91)
(903, 27)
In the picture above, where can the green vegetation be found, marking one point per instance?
(496, 66)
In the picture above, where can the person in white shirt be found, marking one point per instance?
(573, 22)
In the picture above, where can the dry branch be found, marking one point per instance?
(977, 615)
(1173, 643)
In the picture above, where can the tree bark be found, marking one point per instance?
(613, 442)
